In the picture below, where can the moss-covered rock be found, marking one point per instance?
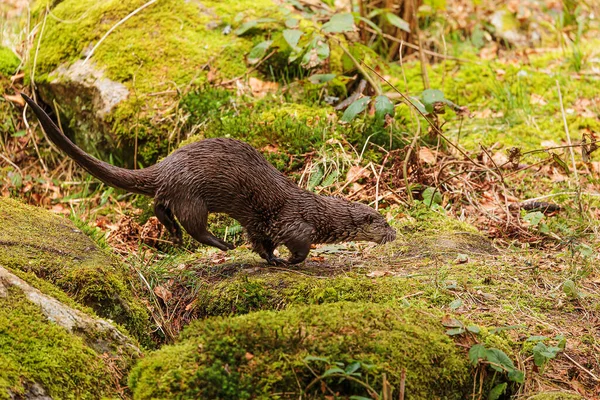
(36, 241)
(40, 358)
(287, 354)
(154, 54)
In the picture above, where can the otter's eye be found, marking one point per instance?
(369, 219)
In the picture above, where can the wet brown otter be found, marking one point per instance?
(228, 176)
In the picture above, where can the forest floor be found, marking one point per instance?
(504, 240)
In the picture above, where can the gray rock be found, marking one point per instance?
(98, 333)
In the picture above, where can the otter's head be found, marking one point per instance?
(370, 225)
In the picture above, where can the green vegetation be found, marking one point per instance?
(264, 353)
(9, 62)
(36, 242)
(35, 351)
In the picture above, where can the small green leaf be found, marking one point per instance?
(292, 36)
(516, 376)
(499, 361)
(431, 96)
(476, 353)
(315, 178)
(355, 108)
(432, 196)
(246, 26)
(371, 24)
(19, 134)
(562, 341)
(355, 397)
(456, 304)
(334, 370)
(563, 165)
(416, 102)
(536, 338)
(455, 331)
(339, 23)
(506, 328)
(355, 366)
(16, 179)
(533, 218)
(497, 391)
(570, 289)
(473, 329)
(292, 23)
(383, 107)
(321, 78)
(332, 177)
(259, 51)
(397, 21)
(315, 358)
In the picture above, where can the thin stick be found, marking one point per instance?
(15, 166)
(416, 47)
(564, 116)
(37, 150)
(37, 50)
(402, 384)
(582, 368)
(364, 73)
(378, 179)
(115, 26)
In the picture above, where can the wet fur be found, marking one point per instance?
(229, 176)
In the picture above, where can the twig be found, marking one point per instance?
(11, 163)
(378, 179)
(358, 65)
(564, 116)
(115, 26)
(424, 74)
(587, 371)
(248, 71)
(35, 146)
(354, 96)
(416, 47)
(37, 50)
(402, 384)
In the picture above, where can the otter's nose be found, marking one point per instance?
(390, 236)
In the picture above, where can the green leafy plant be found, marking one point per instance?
(542, 353)
(341, 372)
(497, 360)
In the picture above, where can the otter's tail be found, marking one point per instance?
(137, 181)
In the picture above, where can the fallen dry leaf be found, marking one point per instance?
(427, 156)
(163, 293)
(15, 99)
(261, 88)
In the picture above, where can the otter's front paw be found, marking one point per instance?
(276, 261)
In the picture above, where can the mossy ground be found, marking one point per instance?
(50, 247)
(179, 40)
(439, 264)
(34, 351)
(263, 355)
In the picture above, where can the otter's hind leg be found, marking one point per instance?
(193, 218)
(165, 216)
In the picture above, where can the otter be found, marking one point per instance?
(229, 176)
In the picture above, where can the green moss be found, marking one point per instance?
(294, 128)
(38, 242)
(36, 351)
(263, 355)
(555, 396)
(9, 62)
(160, 49)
